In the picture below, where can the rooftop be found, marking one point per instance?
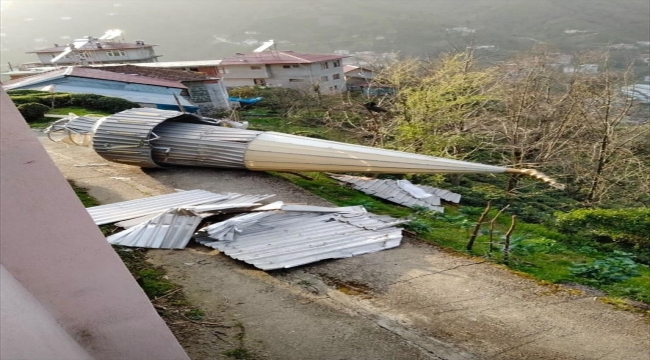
(85, 72)
(165, 74)
(108, 45)
(181, 64)
(278, 57)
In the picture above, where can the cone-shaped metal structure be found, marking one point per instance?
(159, 138)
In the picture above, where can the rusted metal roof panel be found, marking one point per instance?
(284, 239)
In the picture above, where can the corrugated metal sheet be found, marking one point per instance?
(201, 145)
(171, 229)
(234, 202)
(110, 213)
(283, 152)
(124, 137)
(284, 239)
(81, 124)
(391, 191)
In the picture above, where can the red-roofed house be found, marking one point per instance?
(284, 69)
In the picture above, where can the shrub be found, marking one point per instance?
(101, 103)
(32, 111)
(623, 226)
(26, 92)
(616, 268)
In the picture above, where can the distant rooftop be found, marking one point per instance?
(108, 45)
(278, 57)
(165, 74)
(181, 64)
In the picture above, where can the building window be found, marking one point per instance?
(295, 65)
(336, 76)
(296, 80)
(324, 65)
(260, 82)
(256, 67)
(115, 53)
(336, 63)
(324, 78)
(286, 66)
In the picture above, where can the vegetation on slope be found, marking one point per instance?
(575, 127)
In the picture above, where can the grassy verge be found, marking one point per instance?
(535, 250)
(77, 111)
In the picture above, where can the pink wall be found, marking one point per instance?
(50, 245)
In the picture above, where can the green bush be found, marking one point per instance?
(26, 92)
(102, 103)
(627, 226)
(88, 101)
(608, 229)
(32, 111)
(616, 268)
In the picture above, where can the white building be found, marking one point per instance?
(102, 51)
(284, 69)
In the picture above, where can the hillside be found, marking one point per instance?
(216, 29)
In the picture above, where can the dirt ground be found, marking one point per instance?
(412, 302)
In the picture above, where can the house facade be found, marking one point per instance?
(357, 77)
(146, 91)
(105, 52)
(286, 69)
(206, 91)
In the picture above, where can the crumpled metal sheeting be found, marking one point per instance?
(77, 125)
(110, 213)
(172, 229)
(389, 190)
(201, 145)
(124, 137)
(278, 239)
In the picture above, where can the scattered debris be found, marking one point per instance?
(283, 239)
(172, 229)
(126, 210)
(401, 192)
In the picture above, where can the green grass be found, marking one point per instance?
(42, 123)
(77, 111)
(550, 263)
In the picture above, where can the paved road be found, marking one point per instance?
(412, 302)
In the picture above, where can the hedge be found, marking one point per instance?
(623, 226)
(88, 101)
(33, 111)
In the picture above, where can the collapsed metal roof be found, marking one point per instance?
(110, 213)
(283, 239)
(171, 229)
(156, 138)
(401, 192)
